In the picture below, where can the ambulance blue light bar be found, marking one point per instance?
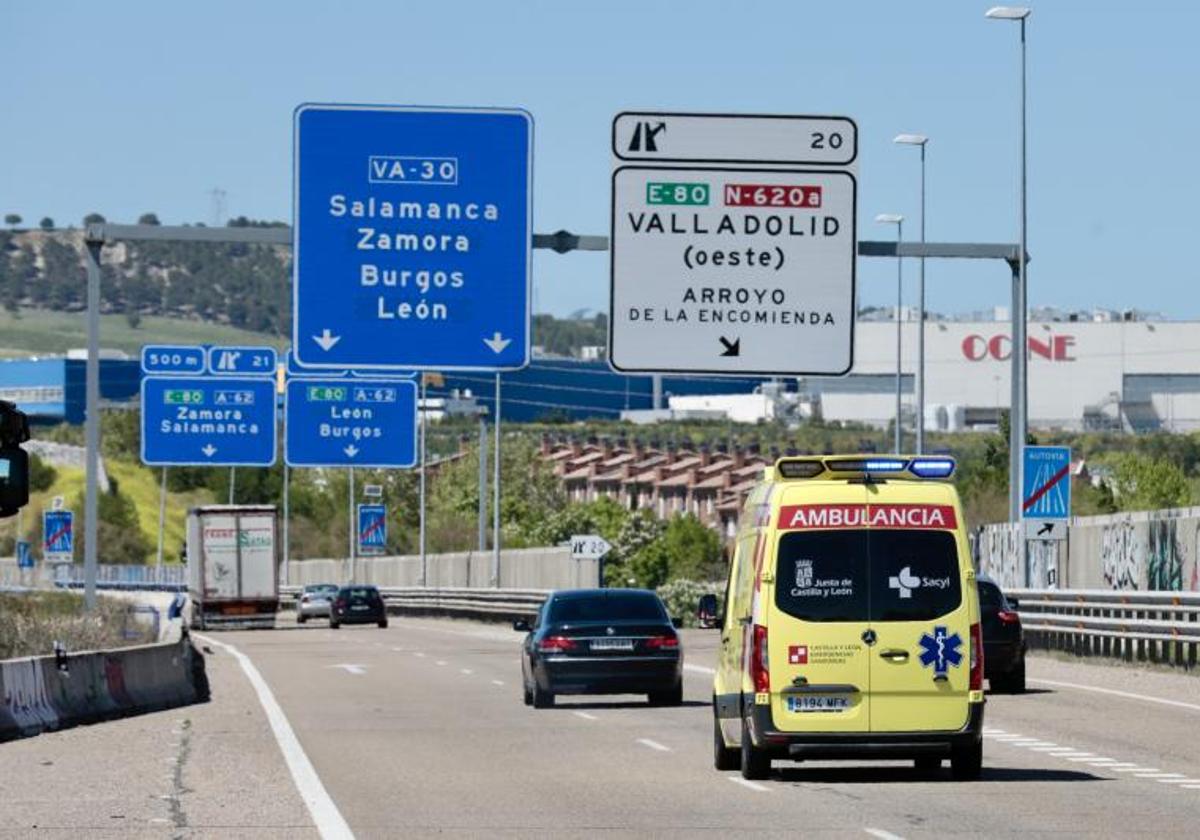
(867, 465)
(932, 467)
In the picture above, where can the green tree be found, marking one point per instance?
(1142, 482)
(46, 223)
(12, 219)
(41, 474)
(93, 219)
(148, 219)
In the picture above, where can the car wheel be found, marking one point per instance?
(756, 764)
(526, 694)
(383, 624)
(671, 697)
(541, 699)
(966, 763)
(724, 758)
(1015, 682)
(300, 619)
(333, 625)
(928, 764)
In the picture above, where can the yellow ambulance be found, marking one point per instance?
(851, 627)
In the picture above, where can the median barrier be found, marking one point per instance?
(499, 605)
(42, 693)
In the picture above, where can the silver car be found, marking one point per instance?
(316, 601)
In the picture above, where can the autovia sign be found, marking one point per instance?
(372, 529)
(412, 237)
(743, 269)
(58, 535)
(1047, 491)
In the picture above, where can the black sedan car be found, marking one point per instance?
(601, 641)
(358, 604)
(1003, 639)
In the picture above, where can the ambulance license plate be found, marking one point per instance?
(612, 644)
(817, 703)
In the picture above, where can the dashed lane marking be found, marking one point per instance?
(1114, 692)
(699, 669)
(325, 814)
(1136, 769)
(654, 745)
(585, 716)
(441, 662)
(467, 671)
(882, 835)
(749, 784)
(497, 682)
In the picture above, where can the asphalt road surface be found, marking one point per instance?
(419, 730)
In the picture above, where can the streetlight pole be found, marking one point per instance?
(898, 221)
(1019, 413)
(919, 140)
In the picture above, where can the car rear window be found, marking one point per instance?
(867, 575)
(635, 606)
(360, 593)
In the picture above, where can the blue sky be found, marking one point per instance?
(127, 107)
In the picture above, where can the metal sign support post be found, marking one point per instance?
(232, 482)
(162, 521)
(92, 430)
(286, 481)
(496, 495)
(483, 465)
(421, 418)
(353, 529)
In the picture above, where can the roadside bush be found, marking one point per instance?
(682, 596)
(30, 624)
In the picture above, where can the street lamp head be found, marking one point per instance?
(889, 218)
(911, 139)
(1008, 13)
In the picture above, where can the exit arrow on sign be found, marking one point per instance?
(732, 348)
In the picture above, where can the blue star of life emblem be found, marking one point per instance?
(941, 650)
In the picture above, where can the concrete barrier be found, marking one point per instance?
(38, 695)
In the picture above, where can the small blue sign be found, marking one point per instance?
(24, 554)
(58, 535)
(351, 423)
(412, 238)
(1047, 483)
(372, 529)
(242, 361)
(940, 650)
(172, 359)
(208, 421)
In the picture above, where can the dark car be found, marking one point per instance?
(601, 641)
(358, 605)
(1003, 639)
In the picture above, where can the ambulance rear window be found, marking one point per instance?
(867, 575)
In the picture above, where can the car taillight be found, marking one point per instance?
(976, 658)
(303, 599)
(760, 673)
(1009, 617)
(662, 643)
(555, 644)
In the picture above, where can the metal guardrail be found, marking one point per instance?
(1158, 626)
(485, 604)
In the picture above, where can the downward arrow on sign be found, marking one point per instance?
(497, 342)
(351, 450)
(209, 450)
(326, 340)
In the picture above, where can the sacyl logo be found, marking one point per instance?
(906, 582)
(644, 134)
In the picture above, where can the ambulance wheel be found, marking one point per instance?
(756, 764)
(966, 763)
(724, 758)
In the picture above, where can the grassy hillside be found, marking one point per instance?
(45, 332)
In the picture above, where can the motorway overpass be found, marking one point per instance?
(419, 730)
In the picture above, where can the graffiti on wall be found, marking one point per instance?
(1164, 566)
(998, 553)
(1121, 557)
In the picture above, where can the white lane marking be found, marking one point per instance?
(1191, 787)
(441, 662)
(1129, 695)
(1181, 781)
(585, 716)
(418, 653)
(1118, 765)
(749, 784)
(497, 682)
(1158, 775)
(351, 668)
(1032, 742)
(398, 649)
(987, 730)
(467, 671)
(1071, 754)
(654, 745)
(1010, 738)
(325, 814)
(1090, 760)
(882, 835)
(699, 669)
(1136, 769)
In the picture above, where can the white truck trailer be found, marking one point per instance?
(233, 566)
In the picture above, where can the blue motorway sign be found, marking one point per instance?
(411, 239)
(292, 369)
(351, 423)
(58, 534)
(24, 554)
(208, 420)
(1047, 490)
(172, 358)
(372, 529)
(242, 361)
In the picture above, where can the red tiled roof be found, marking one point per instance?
(683, 480)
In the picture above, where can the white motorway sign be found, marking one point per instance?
(1048, 530)
(733, 244)
(589, 547)
(732, 271)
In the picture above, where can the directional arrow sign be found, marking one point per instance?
(412, 238)
(351, 423)
(242, 361)
(1051, 530)
(210, 421)
(745, 269)
(589, 547)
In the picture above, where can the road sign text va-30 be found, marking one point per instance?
(412, 237)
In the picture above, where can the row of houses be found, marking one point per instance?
(709, 482)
